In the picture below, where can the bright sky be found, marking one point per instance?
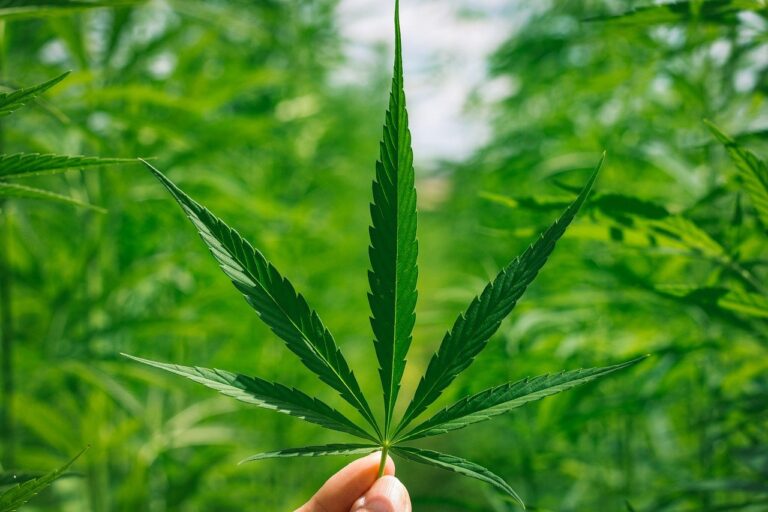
(445, 48)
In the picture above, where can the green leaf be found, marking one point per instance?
(500, 399)
(393, 248)
(39, 8)
(611, 204)
(11, 101)
(268, 395)
(752, 170)
(457, 465)
(33, 164)
(17, 477)
(715, 11)
(734, 301)
(473, 328)
(316, 451)
(20, 191)
(745, 303)
(275, 300)
(15, 497)
(682, 233)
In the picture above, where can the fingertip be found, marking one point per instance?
(348, 484)
(388, 494)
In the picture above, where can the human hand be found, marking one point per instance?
(355, 488)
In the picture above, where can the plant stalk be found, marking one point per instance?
(383, 463)
(6, 317)
(6, 342)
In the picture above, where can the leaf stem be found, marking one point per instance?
(383, 463)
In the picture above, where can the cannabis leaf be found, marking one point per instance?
(752, 171)
(316, 451)
(12, 101)
(17, 477)
(24, 192)
(268, 395)
(479, 322)
(723, 12)
(38, 8)
(500, 399)
(18, 495)
(275, 300)
(393, 247)
(458, 465)
(392, 298)
(21, 165)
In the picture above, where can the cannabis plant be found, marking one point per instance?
(392, 298)
(23, 165)
(23, 486)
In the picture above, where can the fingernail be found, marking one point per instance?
(392, 489)
(376, 506)
(386, 495)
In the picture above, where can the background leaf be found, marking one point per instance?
(11, 9)
(24, 192)
(13, 498)
(12, 101)
(752, 171)
(715, 11)
(32, 164)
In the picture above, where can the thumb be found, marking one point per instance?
(387, 494)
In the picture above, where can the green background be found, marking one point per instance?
(668, 258)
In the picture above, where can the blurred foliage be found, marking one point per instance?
(239, 99)
(671, 258)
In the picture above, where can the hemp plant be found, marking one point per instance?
(392, 298)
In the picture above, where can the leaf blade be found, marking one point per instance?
(393, 247)
(713, 11)
(18, 495)
(458, 465)
(472, 329)
(24, 192)
(315, 451)
(21, 165)
(14, 100)
(501, 399)
(264, 394)
(19, 9)
(752, 170)
(273, 297)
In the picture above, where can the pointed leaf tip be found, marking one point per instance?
(14, 100)
(393, 246)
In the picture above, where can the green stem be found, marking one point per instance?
(6, 319)
(383, 462)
